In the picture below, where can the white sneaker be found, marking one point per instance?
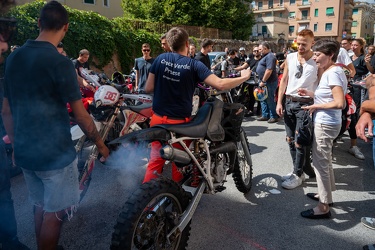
(356, 152)
(293, 182)
(287, 176)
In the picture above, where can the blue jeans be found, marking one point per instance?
(269, 105)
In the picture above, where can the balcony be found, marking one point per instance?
(272, 19)
(303, 19)
(304, 5)
(271, 8)
(348, 18)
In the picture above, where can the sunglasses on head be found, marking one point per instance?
(146, 50)
(300, 71)
(7, 29)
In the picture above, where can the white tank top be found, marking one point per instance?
(308, 79)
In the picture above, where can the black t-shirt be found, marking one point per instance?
(38, 83)
(373, 61)
(77, 64)
(205, 59)
(253, 63)
(360, 67)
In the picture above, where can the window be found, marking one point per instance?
(354, 35)
(269, 14)
(106, 3)
(292, 2)
(270, 4)
(316, 12)
(291, 29)
(354, 24)
(328, 26)
(264, 30)
(355, 11)
(260, 5)
(89, 1)
(281, 2)
(292, 14)
(305, 2)
(329, 11)
(281, 14)
(304, 14)
(315, 27)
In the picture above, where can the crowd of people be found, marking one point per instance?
(313, 82)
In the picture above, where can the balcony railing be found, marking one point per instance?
(303, 19)
(304, 5)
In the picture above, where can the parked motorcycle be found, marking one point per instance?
(214, 145)
(113, 118)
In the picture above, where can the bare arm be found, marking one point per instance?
(351, 69)
(243, 66)
(267, 75)
(8, 119)
(150, 83)
(87, 125)
(227, 83)
(136, 78)
(337, 103)
(369, 105)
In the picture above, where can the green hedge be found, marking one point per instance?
(89, 30)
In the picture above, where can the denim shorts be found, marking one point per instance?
(55, 190)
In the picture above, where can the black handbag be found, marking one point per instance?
(304, 135)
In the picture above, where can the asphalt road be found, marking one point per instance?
(231, 220)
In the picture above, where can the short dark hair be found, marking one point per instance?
(84, 52)
(266, 45)
(232, 52)
(207, 42)
(53, 16)
(177, 38)
(7, 28)
(327, 47)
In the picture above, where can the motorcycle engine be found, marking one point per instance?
(219, 168)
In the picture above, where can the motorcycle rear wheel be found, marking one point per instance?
(243, 167)
(149, 215)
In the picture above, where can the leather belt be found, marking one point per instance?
(299, 99)
(170, 117)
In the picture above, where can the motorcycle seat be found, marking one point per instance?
(195, 128)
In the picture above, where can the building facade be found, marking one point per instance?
(107, 8)
(361, 26)
(284, 18)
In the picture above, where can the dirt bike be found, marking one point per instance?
(113, 118)
(214, 145)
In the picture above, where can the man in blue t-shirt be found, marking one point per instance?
(173, 78)
(142, 67)
(38, 83)
(266, 71)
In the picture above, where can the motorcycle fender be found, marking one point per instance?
(149, 134)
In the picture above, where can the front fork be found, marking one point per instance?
(89, 164)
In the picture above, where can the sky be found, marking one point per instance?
(369, 1)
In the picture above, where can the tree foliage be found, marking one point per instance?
(101, 36)
(233, 15)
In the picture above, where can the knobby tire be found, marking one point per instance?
(140, 227)
(243, 167)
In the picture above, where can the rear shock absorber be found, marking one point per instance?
(195, 176)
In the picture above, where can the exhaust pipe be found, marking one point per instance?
(175, 154)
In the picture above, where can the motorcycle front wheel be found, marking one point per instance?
(243, 167)
(149, 215)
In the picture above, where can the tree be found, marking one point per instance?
(231, 15)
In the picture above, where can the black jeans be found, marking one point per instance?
(8, 226)
(300, 155)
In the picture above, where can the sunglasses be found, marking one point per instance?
(146, 50)
(300, 71)
(7, 29)
(255, 50)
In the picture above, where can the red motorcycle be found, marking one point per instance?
(114, 117)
